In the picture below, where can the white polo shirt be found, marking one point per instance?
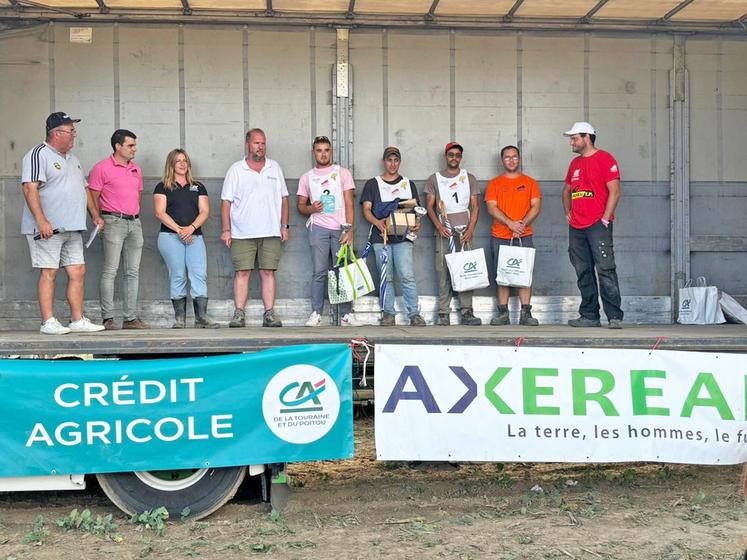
(256, 199)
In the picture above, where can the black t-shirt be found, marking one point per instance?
(371, 194)
(182, 204)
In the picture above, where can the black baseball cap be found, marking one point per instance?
(58, 119)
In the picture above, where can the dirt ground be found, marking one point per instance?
(367, 509)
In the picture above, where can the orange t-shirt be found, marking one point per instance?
(513, 197)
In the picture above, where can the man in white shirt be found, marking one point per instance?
(254, 218)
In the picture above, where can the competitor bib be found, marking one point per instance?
(400, 190)
(327, 189)
(454, 191)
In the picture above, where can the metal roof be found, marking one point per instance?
(658, 15)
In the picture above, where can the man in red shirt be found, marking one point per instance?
(513, 199)
(590, 196)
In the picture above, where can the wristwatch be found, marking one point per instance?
(285, 226)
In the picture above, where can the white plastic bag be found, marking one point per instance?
(515, 265)
(468, 270)
(349, 279)
(734, 312)
(699, 304)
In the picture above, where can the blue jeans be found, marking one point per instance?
(122, 239)
(184, 261)
(591, 249)
(325, 244)
(399, 257)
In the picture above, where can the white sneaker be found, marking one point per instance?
(84, 324)
(53, 326)
(347, 320)
(314, 320)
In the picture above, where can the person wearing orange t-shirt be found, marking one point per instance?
(514, 201)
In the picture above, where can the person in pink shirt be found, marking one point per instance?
(325, 195)
(116, 185)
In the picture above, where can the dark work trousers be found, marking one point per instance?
(590, 248)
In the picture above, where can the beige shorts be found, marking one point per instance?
(60, 250)
(266, 250)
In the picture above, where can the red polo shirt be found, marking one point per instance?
(588, 178)
(120, 185)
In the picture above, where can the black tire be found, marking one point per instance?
(203, 491)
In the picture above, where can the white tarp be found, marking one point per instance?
(470, 403)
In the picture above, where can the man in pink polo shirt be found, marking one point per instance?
(116, 185)
(325, 195)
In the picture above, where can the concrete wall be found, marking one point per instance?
(202, 87)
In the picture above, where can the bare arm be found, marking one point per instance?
(370, 218)
(430, 206)
(284, 232)
(474, 213)
(225, 221)
(33, 200)
(535, 205)
(612, 199)
(306, 209)
(515, 226)
(349, 199)
(566, 197)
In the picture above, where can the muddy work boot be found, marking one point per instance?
(443, 320)
(502, 317)
(417, 321)
(202, 321)
(238, 320)
(270, 320)
(584, 322)
(468, 318)
(386, 320)
(180, 313)
(525, 318)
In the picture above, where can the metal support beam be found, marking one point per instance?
(430, 16)
(103, 8)
(268, 10)
(679, 141)
(512, 12)
(351, 10)
(186, 10)
(594, 10)
(677, 9)
(25, 3)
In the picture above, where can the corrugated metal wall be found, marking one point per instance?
(202, 87)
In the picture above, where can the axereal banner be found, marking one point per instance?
(280, 405)
(467, 403)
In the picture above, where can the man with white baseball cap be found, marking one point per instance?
(590, 196)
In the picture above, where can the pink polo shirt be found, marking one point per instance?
(120, 185)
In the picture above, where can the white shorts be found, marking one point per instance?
(60, 250)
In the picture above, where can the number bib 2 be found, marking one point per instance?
(327, 189)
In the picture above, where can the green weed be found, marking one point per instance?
(38, 534)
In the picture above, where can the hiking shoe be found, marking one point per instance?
(270, 320)
(387, 320)
(417, 321)
(239, 319)
(347, 320)
(53, 326)
(502, 318)
(468, 318)
(84, 324)
(443, 320)
(615, 324)
(314, 320)
(110, 325)
(135, 323)
(525, 318)
(584, 322)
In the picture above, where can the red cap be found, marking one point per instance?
(451, 145)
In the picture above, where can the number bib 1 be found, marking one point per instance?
(327, 189)
(388, 192)
(454, 191)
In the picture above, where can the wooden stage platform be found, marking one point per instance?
(164, 342)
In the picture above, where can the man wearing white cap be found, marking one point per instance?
(590, 196)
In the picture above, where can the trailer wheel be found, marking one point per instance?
(201, 490)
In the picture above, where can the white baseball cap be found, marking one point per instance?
(580, 128)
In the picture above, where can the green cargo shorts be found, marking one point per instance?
(265, 250)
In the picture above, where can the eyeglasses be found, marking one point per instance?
(456, 155)
(72, 132)
(321, 140)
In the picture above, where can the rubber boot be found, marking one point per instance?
(180, 313)
(525, 318)
(502, 318)
(202, 321)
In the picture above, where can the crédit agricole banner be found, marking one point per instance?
(279, 405)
